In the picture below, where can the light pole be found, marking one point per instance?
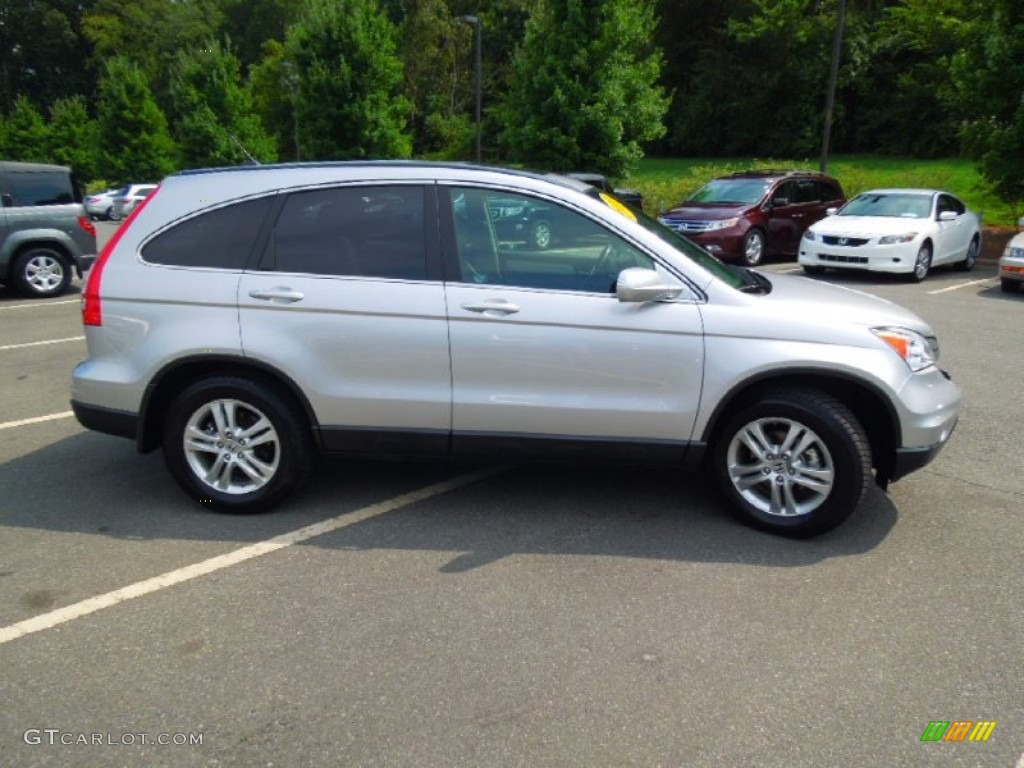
(830, 100)
(477, 33)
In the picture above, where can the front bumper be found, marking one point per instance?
(895, 258)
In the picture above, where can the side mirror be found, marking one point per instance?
(639, 285)
(948, 216)
(831, 211)
(779, 202)
(1020, 223)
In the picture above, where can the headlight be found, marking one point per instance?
(917, 350)
(906, 237)
(723, 224)
(808, 235)
(1014, 253)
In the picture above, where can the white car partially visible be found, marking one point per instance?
(1011, 263)
(903, 231)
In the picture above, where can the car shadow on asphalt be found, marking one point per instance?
(107, 489)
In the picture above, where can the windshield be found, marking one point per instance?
(900, 205)
(732, 191)
(733, 276)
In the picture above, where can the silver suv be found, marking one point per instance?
(44, 231)
(245, 317)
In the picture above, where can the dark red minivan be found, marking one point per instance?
(752, 214)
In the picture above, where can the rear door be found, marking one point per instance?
(543, 354)
(348, 301)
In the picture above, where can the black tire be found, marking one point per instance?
(753, 248)
(1009, 286)
(967, 263)
(833, 453)
(112, 215)
(814, 271)
(41, 273)
(922, 264)
(280, 451)
(541, 236)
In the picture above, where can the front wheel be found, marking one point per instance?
(795, 462)
(41, 273)
(753, 248)
(922, 264)
(236, 445)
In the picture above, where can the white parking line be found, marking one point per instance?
(189, 572)
(958, 286)
(42, 304)
(36, 420)
(41, 343)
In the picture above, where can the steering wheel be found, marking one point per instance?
(603, 268)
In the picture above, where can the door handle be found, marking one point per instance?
(492, 307)
(278, 295)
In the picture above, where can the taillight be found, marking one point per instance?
(86, 223)
(92, 304)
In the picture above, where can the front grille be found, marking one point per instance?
(852, 242)
(679, 225)
(843, 259)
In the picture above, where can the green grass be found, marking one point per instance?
(666, 181)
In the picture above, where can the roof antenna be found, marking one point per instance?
(252, 159)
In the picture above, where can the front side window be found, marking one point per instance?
(372, 231)
(220, 239)
(44, 188)
(950, 203)
(517, 240)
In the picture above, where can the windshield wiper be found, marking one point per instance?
(756, 282)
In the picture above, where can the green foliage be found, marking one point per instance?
(136, 143)
(273, 87)
(989, 75)
(73, 138)
(27, 138)
(349, 103)
(213, 116)
(583, 92)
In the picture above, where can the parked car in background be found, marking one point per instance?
(98, 205)
(903, 231)
(247, 317)
(599, 181)
(44, 231)
(749, 215)
(127, 197)
(1011, 263)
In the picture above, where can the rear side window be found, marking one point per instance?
(372, 231)
(43, 188)
(828, 192)
(221, 239)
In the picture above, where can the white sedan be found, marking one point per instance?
(906, 231)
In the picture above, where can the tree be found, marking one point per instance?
(273, 88)
(73, 138)
(137, 144)
(213, 118)
(26, 137)
(349, 102)
(583, 93)
(989, 75)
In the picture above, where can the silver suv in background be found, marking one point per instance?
(44, 231)
(244, 318)
(126, 198)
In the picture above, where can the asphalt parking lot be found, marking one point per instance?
(416, 614)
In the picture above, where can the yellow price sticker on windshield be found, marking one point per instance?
(615, 205)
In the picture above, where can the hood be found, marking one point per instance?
(869, 225)
(825, 304)
(705, 211)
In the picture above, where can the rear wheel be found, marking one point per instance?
(236, 445)
(795, 462)
(967, 263)
(41, 273)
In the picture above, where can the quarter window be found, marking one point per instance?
(516, 240)
(222, 238)
(375, 231)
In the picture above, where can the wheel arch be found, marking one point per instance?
(872, 409)
(174, 377)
